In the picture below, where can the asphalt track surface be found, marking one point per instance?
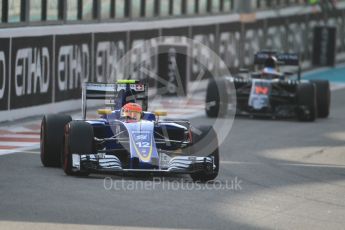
(284, 175)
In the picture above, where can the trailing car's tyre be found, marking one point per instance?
(306, 101)
(323, 97)
(51, 138)
(216, 98)
(206, 144)
(79, 139)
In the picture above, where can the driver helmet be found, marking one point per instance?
(271, 68)
(271, 62)
(132, 111)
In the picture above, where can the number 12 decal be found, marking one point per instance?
(143, 144)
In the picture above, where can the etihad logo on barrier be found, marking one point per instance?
(32, 71)
(107, 55)
(73, 66)
(2, 74)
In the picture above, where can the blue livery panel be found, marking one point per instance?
(143, 151)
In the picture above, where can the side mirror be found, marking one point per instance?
(104, 111)
(160, 113)
(288, 73)
(256, 75)
(243, 70)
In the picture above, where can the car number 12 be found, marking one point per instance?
(143, 144)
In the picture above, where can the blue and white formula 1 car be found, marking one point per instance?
(270, 92)
(113, 144)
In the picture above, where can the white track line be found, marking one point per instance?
(244, 163)
(30, 152)
(18, 150)
(22, 128)
(17, 144)
(20, 136)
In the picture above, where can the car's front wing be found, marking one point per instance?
(98, 163)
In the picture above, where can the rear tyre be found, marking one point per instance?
(206, 144)
(306, 101)
(51, 139)
(216, 98)
(323, 97)
(79, 139)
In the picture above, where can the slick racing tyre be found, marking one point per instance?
(78, 139)
(206, 140)
(51, 138)
(306, 102)
(216, 98)
(323, 97)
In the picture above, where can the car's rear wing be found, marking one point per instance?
(115, 94)
(287, 59)
(99, 91)
(284, 59)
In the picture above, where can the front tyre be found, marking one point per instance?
(78, 139)
(216, 98)
(323, 97)
(205, 143)
(306, 102)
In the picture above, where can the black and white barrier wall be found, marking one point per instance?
(42, 68)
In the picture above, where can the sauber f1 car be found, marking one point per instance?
(114, 143)
(270, 92)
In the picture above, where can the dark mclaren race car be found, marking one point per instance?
(114, 144)
(270, 92)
